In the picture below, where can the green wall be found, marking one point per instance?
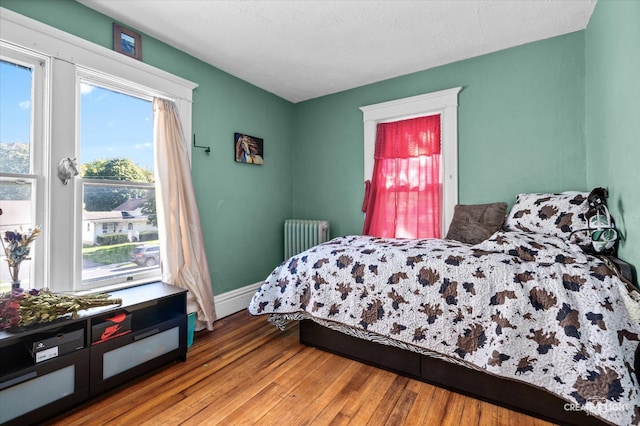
(523, 127)
(613, 114)
(242, 207)
(520, 124)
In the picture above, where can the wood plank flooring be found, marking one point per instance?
(248, 372)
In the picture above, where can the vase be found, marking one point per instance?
(14, 273)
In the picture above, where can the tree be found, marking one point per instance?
(107, 198)
(116, 169)
(14, 158)
(149, 209)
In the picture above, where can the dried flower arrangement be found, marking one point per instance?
(20, 309)
(17, 249)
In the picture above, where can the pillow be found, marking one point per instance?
(557, 215)
(472, 224)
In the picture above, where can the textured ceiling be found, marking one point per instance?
(304, 49)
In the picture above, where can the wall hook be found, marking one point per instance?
(206, 148)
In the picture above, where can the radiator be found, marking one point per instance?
(300, 235)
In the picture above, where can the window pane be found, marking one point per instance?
(17, 207)
(119, 227)
(15, 120)
(111, 238)
(115, 125)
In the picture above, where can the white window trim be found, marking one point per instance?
(35, 35)
(445, 103)
(70, 56)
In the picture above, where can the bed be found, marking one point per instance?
(520, 316)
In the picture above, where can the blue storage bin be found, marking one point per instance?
(191, 326)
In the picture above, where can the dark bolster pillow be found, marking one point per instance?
(472, 224)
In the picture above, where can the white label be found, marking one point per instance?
(47, 354)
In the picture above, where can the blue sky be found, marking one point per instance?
(15, 107)
(113, 124)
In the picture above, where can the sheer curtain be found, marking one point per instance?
(403, 198)
(184, 261)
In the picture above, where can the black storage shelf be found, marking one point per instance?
(8, 337)
(139, 339)
(78, 392)
(37, 370)
(156, 309)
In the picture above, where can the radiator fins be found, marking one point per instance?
(301, 234)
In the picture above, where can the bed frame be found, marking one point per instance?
(500, 391)
(504, 392)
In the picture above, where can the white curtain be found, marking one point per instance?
(184, 261)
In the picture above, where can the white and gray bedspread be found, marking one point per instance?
(527, 307)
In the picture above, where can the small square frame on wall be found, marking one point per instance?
(127, 42)
(248, 149)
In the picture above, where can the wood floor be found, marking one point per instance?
(248, 372)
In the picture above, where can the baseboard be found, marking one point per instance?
(235, 300)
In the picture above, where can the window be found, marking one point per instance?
(21, 101)
(81, 101)
(404, 194)
(445, 103)
(117, 169)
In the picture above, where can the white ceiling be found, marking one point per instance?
(304, 49)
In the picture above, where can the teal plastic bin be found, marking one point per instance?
(191, 326)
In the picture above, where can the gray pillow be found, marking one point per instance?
(472, 224)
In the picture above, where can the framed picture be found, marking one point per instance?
(127, 42)
(248, 149)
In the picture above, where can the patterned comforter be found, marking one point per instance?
(527, 307)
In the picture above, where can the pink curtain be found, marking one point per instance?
(403, 199)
